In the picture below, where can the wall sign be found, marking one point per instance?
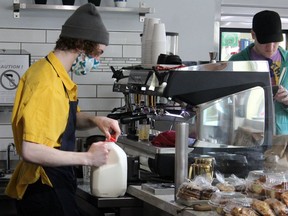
(12, 67)
(9, 79)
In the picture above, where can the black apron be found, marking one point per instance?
(41, 199)
(63, 178)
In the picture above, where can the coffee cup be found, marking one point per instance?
(120, 3)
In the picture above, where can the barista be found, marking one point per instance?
(45, 117)
(267, 33)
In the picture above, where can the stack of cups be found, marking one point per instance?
(158, 44)
(146, 43)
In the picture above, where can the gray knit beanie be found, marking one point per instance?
(86, 23)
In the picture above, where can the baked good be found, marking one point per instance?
(192, 191)
(284, 197)
(275, 191)
(221, 201)
(206, 194)
(189, 193)
(202, 207)
(248, 212)
(243, 211)
(257, 187)
(220, 210)
(225, 187)
(278, 207)
(262, 208)
(236, 211)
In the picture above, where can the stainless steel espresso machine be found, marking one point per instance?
(228, 106)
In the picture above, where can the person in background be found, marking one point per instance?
(46, 115)
(267, 33)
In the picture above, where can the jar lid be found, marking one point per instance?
(172, 34)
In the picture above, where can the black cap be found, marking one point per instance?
(267, 27)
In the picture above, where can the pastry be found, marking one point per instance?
(278, 207)
(225, 187)
(202, 207)
(262, 208)
(193, 191)
(242, 211)
(248, 212)
(188, 193)
(284, 197)
(220, 210)
(276, 190)
(206, 194)
(257, 187)
(236, 211)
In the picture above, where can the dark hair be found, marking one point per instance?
(66, 44)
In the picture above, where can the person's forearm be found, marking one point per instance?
(47, 156)
(84, 121)
(106, 125)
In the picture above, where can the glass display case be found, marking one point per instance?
(232, 130)
(237, 119)
(234, 121)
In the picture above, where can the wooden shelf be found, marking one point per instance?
(141, 10)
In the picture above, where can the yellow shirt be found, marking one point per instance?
(40, 115)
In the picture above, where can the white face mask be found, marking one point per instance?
(84, 64)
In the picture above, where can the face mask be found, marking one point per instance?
(84, 64)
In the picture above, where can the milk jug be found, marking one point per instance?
(110, 180)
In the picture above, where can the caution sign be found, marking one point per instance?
(12, 67)
(9, 79)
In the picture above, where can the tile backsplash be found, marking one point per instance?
(95, 89)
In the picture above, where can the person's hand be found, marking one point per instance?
(98, 154)
(108, 126)
(282, 95)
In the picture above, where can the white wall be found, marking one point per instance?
(192, 19)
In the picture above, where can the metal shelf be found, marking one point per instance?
(141, 10)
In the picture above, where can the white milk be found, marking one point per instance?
(110, 180)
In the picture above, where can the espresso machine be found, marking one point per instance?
(216, 99)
